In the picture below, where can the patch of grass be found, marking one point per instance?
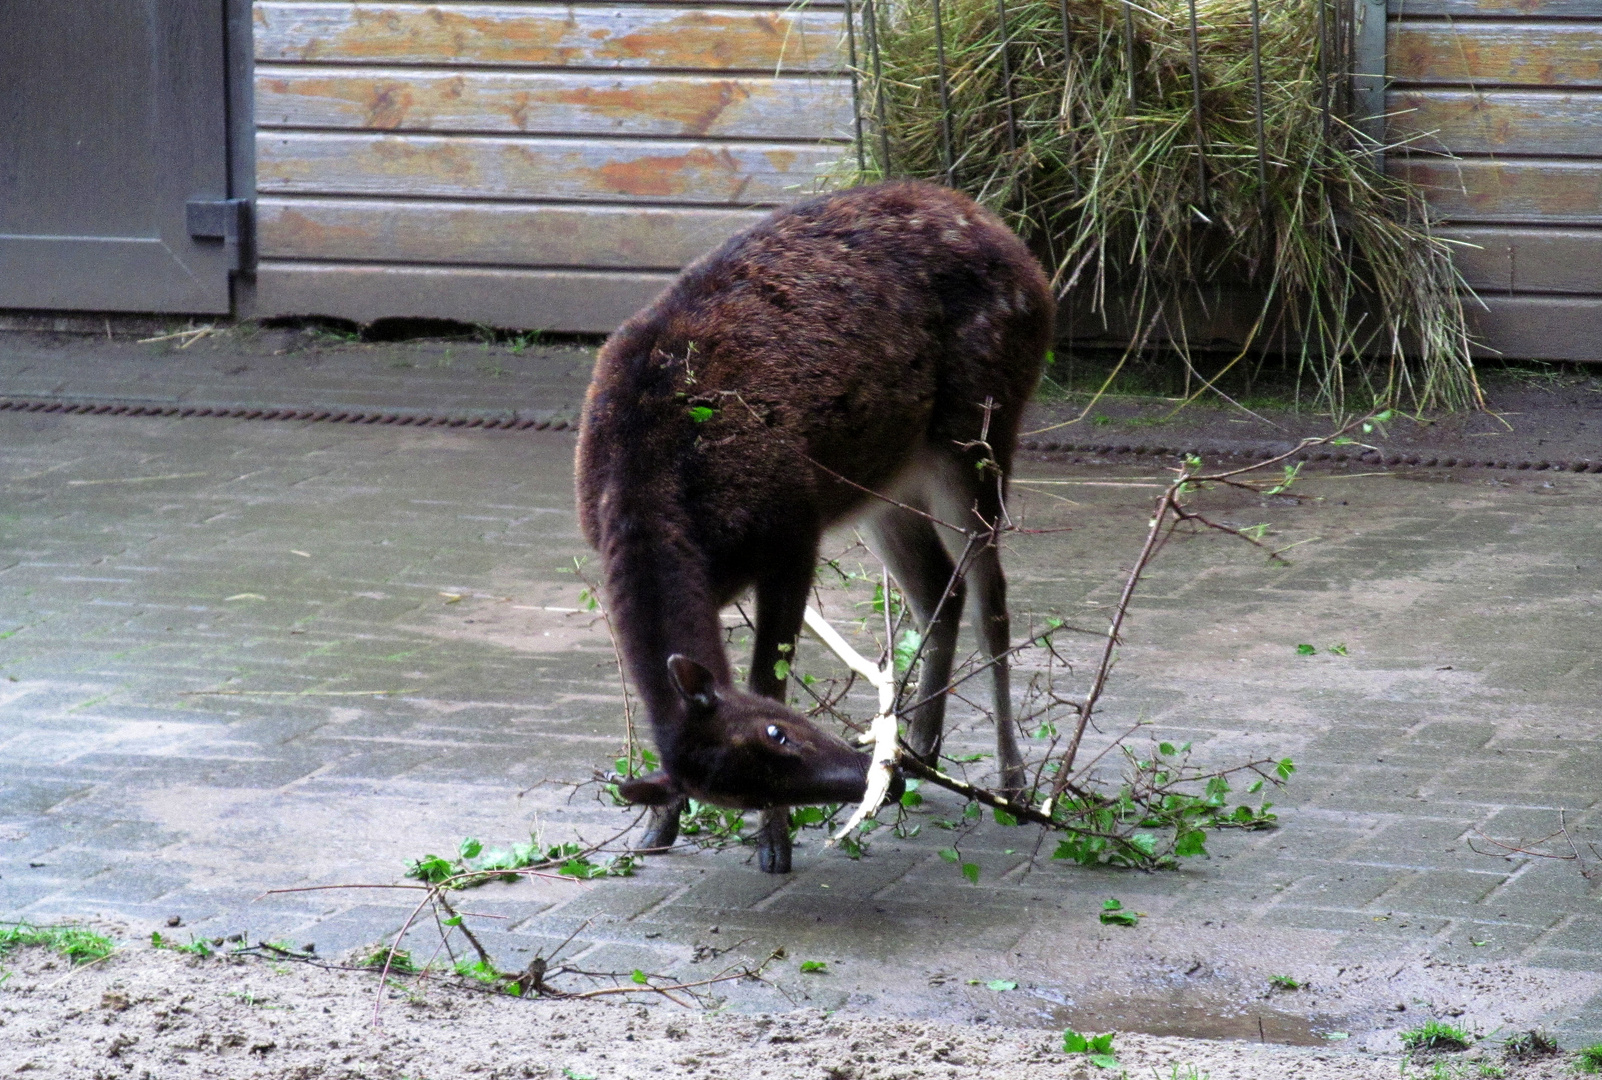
(379, 955)
(1533, 1043)
(1085, 139)
(1434, 1035)
(196, 947)
(78, 944)
(1589, 1059)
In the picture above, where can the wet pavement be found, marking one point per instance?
(240, 656)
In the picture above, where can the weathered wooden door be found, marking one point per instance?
(113, 156)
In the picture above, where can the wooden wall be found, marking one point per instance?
(526, 164)
(1513, 88)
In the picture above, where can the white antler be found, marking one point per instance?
(882, 730)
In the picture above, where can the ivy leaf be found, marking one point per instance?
(1113, 913)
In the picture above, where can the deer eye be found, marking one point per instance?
(776, 734)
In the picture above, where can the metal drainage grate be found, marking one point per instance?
(331, 416)
(1419, 459)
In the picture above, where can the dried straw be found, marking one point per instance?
(1107, 179)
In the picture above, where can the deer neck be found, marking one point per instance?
(660, 603)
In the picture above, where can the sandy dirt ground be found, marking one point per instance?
(158, 1015)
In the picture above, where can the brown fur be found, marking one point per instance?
(856, 335)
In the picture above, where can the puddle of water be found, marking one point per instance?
(1188, 1018)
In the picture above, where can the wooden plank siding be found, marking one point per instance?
(527, 165)
(552, 103)
(1499, 106)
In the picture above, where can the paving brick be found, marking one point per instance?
(1400, 762)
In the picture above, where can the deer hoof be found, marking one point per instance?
(774, 860)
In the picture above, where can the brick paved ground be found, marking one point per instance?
(141, 559)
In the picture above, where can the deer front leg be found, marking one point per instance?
(662, 828)
(773, 841)
(781, 601)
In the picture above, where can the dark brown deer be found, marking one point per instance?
(853, 356)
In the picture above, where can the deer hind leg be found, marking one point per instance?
(971, 498)
(781, 600)
(995, 633)
(910, 548)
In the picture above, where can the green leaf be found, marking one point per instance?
(1074, 1043)
(454, 920)
(1305, 650)
(1002, 817)
(469, 848)
(1190, 842)
(972, 811)
(1104, 1061)
(909, 799)
(814, 967)
(1166, 749)
(640, 977)
(781, 669)
(1102, 1044)
(1285, 767)
(1000, 985)
(970, 871)
(1113, 913)
(950, 854)
(700, 414)
(574, 1074)
(807, 815)
(907, 649)
(1339, 649)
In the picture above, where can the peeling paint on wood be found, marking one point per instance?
(553, 35)
(495, 102)
(1542, 191)
(1501, 122)
(1496, 54)
(690, 172)
(619, 237)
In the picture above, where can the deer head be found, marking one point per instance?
(740, 750)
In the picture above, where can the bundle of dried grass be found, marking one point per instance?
(1079, 125)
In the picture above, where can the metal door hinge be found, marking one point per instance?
(228, 220)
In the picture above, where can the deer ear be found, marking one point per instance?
(657, 789)
(694, 682)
